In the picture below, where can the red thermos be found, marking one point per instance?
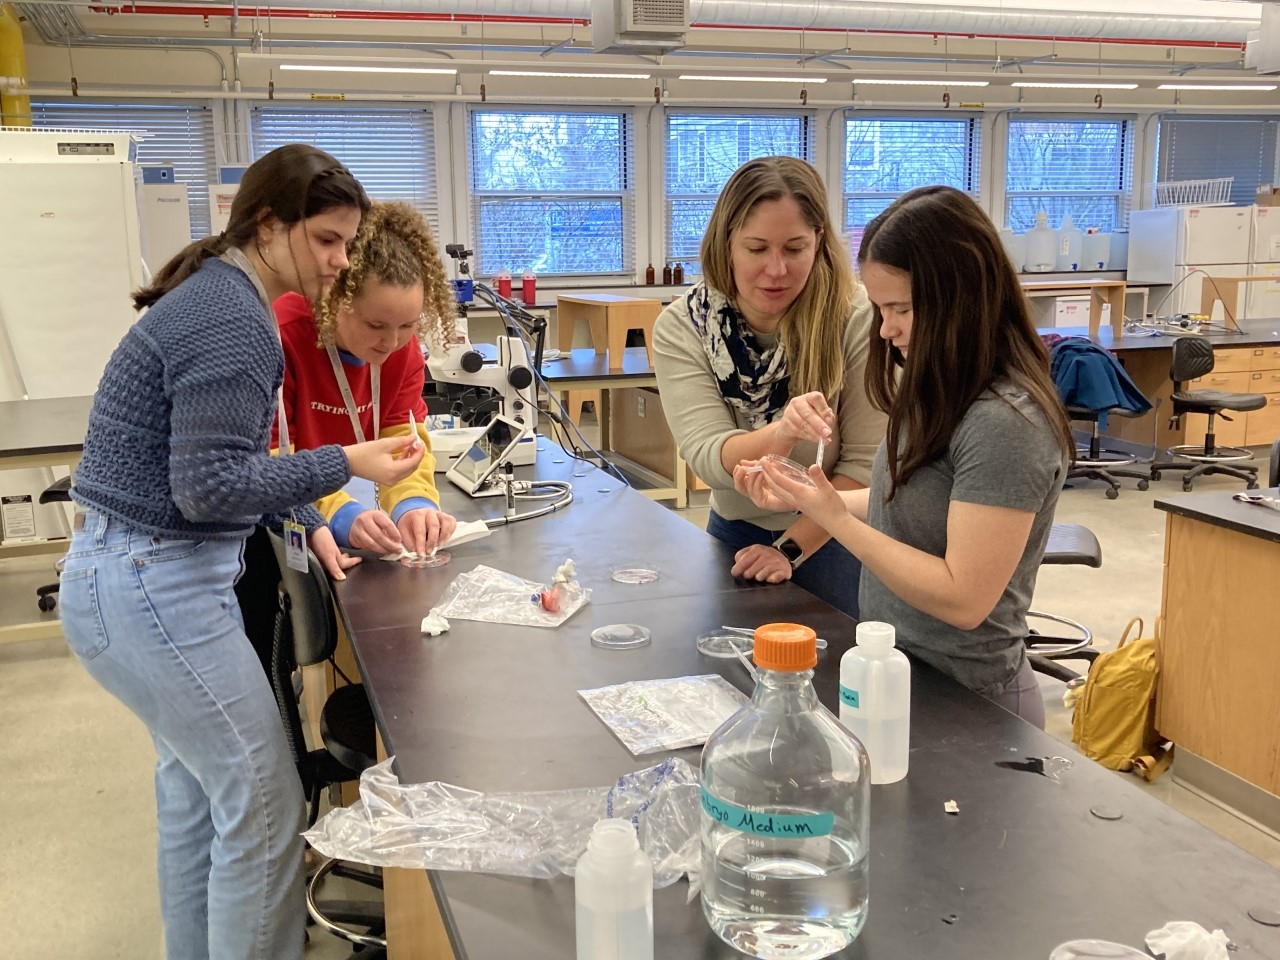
(529, 288)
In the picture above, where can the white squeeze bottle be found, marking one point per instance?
(613, 890)
(875, 699)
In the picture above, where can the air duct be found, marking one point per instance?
(1187, 22)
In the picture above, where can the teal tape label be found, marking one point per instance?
(767, 824)
(848, 697)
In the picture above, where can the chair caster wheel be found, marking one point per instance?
(1143, 485)
(1112, 493)
(1252, 486)
(1186, 486)
(1155, 474)
(46, 603)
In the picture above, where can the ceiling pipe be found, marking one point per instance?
(1226, 29)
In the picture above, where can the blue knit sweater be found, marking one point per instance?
(178, 437)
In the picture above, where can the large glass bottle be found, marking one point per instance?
(785, 808)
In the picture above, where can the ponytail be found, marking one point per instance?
(183, 264)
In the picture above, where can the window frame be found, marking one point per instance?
(1123, 193)
(627, 195)
(423, 193)
(808, 140)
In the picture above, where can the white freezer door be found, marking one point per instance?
(1265, 239)
(1262, 300)
(1214, 235)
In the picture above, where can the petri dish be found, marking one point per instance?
(621, 636)
(721, 645)
(439, 560)
(634, 571)
(796, 471)
(1096, 950)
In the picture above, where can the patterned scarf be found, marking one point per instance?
(752, 380)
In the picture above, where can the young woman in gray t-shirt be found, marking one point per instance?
(963, 489)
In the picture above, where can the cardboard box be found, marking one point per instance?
(1268, 196)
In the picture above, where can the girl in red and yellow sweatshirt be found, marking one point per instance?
(369, 328)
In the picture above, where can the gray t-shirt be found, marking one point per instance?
(1004, 453)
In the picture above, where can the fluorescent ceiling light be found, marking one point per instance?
(1078, 86)
(1216, 86)
(699, 76)
(582, 76)
(922, 83)
(346, 68)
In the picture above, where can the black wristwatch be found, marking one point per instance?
(789, 549)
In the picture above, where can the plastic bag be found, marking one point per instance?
(652, 715)
(438, 826)
(493, 596)
(1187, 940)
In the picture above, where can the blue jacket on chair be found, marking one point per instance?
(1090, 376)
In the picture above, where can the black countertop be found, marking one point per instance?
(33, 427)
(1025, 865)
(1254, 333)
(1221, 510)
(585, 364)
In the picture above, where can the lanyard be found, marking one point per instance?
(235, 256)
(375, 385)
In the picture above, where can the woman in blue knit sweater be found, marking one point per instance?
(175, 476)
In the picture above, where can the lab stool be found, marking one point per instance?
(611, 318)
(1093, 462)
(1069, 543)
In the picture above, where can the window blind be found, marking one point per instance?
(390, 150)
(887, 156)
(552, 191)
(173, 134)
(1079, 167)
(703, 151)
(1203, 148)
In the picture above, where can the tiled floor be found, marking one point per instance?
(77, 822)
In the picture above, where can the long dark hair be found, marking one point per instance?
(970, 326)
(817, 318)
(291, 183)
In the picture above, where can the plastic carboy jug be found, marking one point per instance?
(1042, 246)
(875, 699)
(785, 806)
(1070, 245)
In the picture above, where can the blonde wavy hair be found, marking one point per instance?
(812, 329)
(394, 246)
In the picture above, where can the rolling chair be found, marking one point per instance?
(1093, 462)
(1093, 386)
(306, 633)
(1069, 543)
(57, 492)
(1192, 358)
(1273, 473)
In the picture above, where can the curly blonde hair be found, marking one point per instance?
(394, 246)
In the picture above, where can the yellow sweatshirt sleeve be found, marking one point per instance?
(419, 486)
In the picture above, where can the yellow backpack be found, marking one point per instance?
(1114, 719)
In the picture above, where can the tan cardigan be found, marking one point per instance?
(701, 421)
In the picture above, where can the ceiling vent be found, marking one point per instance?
(638, 26)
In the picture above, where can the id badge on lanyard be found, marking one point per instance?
(295, 534)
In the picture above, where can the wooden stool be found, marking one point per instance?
(574, 401)
(611, 318)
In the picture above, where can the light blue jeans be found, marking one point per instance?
(156, 623)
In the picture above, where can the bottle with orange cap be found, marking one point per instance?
(785, 813)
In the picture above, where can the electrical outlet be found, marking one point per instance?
(640, 405)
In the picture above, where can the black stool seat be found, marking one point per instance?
(1211, 401)
(347, 727)
(58, 491)
(1071, 543)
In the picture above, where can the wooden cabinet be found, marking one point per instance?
(1264, 378)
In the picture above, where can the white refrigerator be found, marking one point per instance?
(1262, 300)
(1175, 247)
